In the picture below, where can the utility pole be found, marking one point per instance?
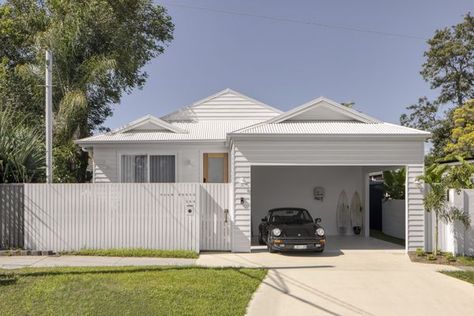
(49, 116)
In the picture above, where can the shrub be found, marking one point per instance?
(450, 257)
(420, 252)
(431, 257)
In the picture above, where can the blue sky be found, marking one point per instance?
(285, 64)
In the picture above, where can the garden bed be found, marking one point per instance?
(445, 258)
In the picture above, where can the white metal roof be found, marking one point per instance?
(330, 128)
(229, 113)
(196, 131)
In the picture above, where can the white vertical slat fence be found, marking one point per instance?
(112, 215)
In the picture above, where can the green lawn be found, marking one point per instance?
(127, 291)
(467, 276)
(465, 261)
(134, 252)
(379, 235)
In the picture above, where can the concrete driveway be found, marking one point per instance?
(354, 277)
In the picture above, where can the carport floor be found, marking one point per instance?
(374, 278)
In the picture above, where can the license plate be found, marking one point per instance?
(301, 246)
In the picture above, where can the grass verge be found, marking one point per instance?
(134, 252)
(465, 261)
(467, 276)
(379, 235)
(127, 291)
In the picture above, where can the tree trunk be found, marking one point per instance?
(435, 252)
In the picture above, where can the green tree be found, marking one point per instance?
(99, 49)
(449, 67)
(394, 184)
(462, 135)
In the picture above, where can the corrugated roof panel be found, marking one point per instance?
(203, 130)
(331, 128)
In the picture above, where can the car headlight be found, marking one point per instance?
(276, 232)
(320, 232)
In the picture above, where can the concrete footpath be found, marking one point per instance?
(16, 262)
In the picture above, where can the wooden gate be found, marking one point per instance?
(215, 216)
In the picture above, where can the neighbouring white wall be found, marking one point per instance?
(106, 159)
(281, 186)
(393, 218)
(453, 237)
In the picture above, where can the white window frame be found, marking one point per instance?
(147, 154)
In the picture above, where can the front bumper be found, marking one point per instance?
(297, 244)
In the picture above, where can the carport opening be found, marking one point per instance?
(387, 206)
(320, 190)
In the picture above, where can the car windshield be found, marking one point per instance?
(290, 216)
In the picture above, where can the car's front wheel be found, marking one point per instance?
(260, 239)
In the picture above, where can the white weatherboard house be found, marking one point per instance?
(270, 158)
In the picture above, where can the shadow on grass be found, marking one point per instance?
(7, 279)
(55, 271)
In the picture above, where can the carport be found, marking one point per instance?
(321, 144)
(295, 186)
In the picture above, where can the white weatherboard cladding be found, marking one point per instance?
(106, 159)
(415, 221)
(241, 214)
(330, 151)
(228, 105)
(322, 114)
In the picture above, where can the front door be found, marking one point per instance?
(215, 168)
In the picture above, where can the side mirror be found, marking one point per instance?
(317, 220)
(265, 219)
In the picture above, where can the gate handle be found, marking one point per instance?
(226, 212)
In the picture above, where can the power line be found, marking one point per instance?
(295, 21)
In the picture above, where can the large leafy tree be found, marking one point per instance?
(449, 68)
(462, 135)
(99, 49)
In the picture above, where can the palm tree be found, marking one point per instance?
(441, 178)
(21, 149)
(435, 199)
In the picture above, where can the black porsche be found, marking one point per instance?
(291, 229)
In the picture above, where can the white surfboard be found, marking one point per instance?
(357, 218)
(343, 216)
